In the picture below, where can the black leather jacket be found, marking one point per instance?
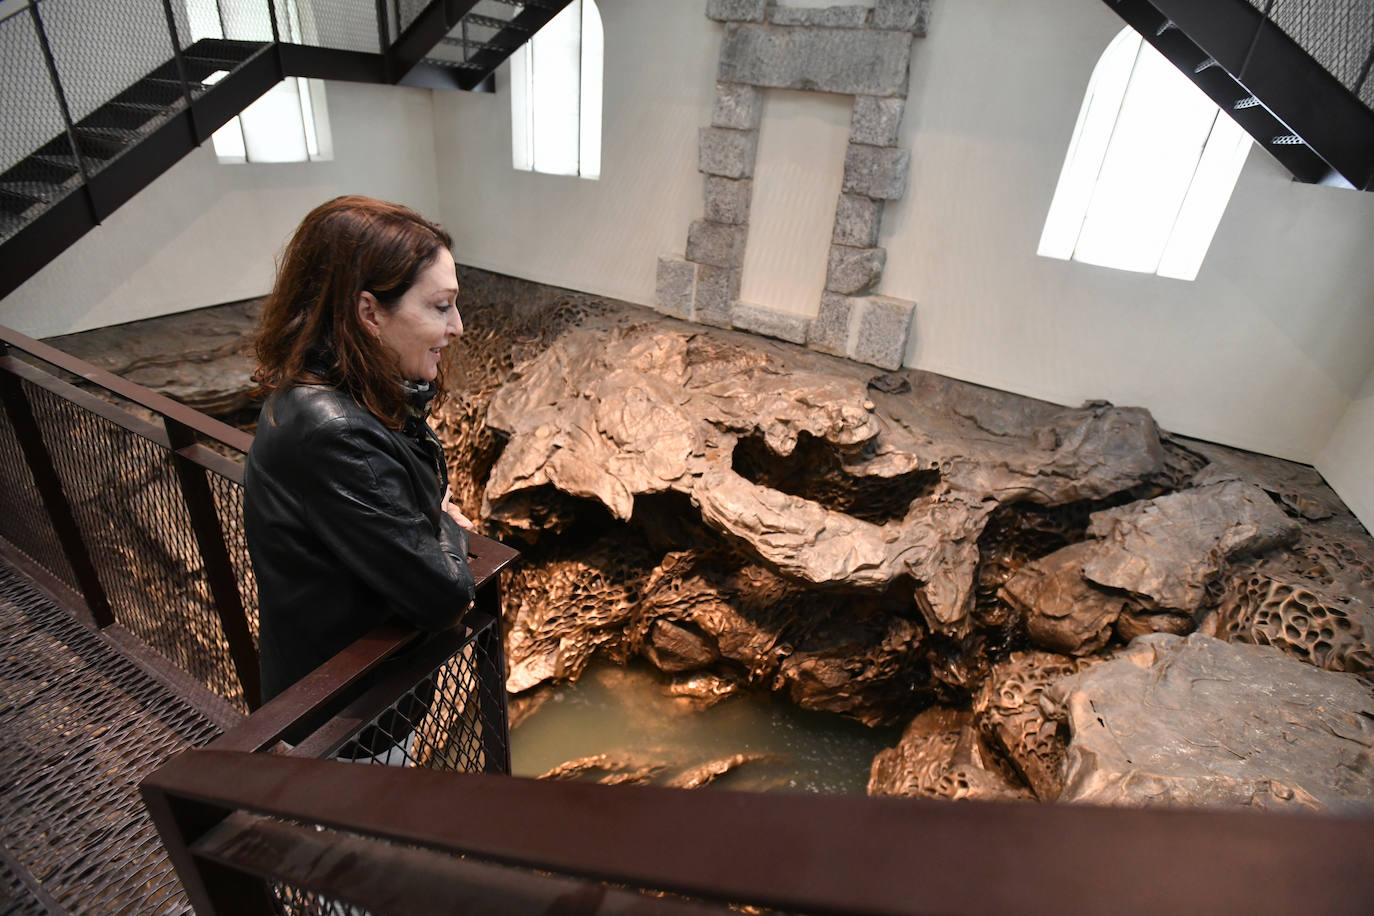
(345, 529)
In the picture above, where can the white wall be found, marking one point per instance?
(1347, 462)
(601, 236)
(1263, 351)
(206, 233)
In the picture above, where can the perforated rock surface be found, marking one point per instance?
(941, 755)
(1011, 716)
(1197, 721)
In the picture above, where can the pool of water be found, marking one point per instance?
(626, 714)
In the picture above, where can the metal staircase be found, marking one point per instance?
(77, 146)
(1295, 74)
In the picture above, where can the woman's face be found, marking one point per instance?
(423, 322)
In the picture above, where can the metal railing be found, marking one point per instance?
(126, 507)
(1339, 34)
(247, 830)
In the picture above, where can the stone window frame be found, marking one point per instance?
(851, 50)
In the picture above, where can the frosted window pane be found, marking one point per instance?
(1208, 195)
(228, 141)
(521, 112)
(593, 54)
(272, 127)
(1154, 151)
(557, 92)
(1143, 188)
(1091, 134)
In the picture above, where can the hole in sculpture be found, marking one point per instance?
(815, 471)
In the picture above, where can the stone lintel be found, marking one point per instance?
(830, 17)
(676, 287)
(876, 121)
(736, 10)
(716, 244)
(857, 220)
(727, 199)
(717, 290)
(848, 61)
(770, 322)
(878, 172)
(726, 152)
(737, 106)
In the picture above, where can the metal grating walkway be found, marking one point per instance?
(80, 725)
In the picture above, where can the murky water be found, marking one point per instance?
(625, 714)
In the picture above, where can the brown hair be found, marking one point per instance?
(310, 331)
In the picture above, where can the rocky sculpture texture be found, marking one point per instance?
(875, 545)
(1159, 724)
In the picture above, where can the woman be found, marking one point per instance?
(346, 505)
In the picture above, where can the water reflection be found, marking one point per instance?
(626, 715)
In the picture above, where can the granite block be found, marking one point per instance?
(770, 323)
(848, 61)
(675, 287)
(884, 328)
(717, 244)
(727, 199)
(878, 172)
(726, 152)
(737, 106)
(717, 291)
(875, 121)
(857, 220)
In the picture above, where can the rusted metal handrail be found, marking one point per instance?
(806, 853)
(134, 393)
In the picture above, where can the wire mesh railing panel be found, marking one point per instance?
(294, 901)
(82, 727)
(28, 105)
(407, 11)
(445, 721)
(229, 507)
(127, 501)
(349, 25)
(1338, 34)
(25, 522)
(103, 48)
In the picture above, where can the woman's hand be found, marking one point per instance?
(453, 512)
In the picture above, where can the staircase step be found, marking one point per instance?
(93, 147)
(225, 49)
(450, 64)
(16, 202)
(38, 171)
(490, 45)
(161, 94)
(119, 116)
(491, 22)
(197, 68)
(40, 191)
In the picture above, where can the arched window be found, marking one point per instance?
(555, 95)
(1149, 171)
